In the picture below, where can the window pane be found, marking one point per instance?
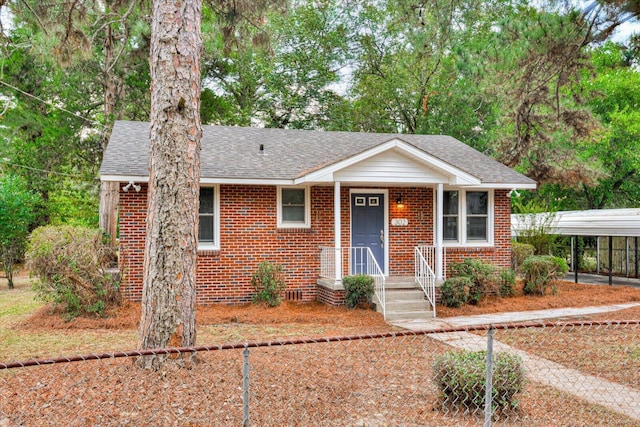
(477, 202)
(205, 228)
(293, 214)
(206, 200)
(292, 196)
(450, 204)
(450, 231)
(477, 228)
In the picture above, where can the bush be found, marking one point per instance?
(268, 282)
(358, 290)
(484, 279)
(541, 272)
(588, 264)
(507, 283)
(71, 263)
(18, 212)
(519, 252)
(455, 291)
(460, 377)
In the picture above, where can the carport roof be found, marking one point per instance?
(596, 222)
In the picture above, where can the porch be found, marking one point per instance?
(396, 297)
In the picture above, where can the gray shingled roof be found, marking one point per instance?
(232, 153)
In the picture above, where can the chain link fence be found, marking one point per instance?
(574, 374)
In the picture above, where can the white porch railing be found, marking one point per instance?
(429, 254)
(335, 263)
(425, 276)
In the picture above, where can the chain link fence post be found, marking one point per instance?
(488, 386)
(245, 387)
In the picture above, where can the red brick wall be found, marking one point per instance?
(500, 253)
(249, 235)
(418, 210)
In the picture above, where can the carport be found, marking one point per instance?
(604, 224)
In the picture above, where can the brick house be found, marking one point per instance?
(323, 205)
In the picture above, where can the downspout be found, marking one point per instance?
(438, 236)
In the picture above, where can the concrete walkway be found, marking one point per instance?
(598, 279)
(619, 398)
(516, 316)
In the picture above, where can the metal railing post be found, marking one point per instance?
(488, 386)
(245, 387)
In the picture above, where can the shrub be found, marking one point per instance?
(507, 283)
(460, 378)
(358, 289)
(519, 252)
(268, 282)
(541, 272)
(588, 263)
(455, 291)
(483, 278)
(18, 212)
(71, 263)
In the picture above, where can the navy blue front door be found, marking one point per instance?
(367, 229)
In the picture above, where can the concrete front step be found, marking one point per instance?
(409, 315)
(401, 283)
(408, 305)
(405, 300)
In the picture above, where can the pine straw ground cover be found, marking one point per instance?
(372, 383)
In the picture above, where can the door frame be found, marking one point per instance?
(385, 192)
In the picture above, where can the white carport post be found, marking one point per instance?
(337, 231)
(438, 236)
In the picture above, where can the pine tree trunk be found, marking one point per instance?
(109, 191)
(168, 297)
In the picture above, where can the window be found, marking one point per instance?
(209, 218)
(477, 215)
(466, 217)
(450, 217)
(293, 207)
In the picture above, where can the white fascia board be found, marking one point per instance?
(502, 186)
(243, 181)
(247, 181)
(326, 174)
(123, 178)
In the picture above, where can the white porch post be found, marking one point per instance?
(337, 230)
(438, 236)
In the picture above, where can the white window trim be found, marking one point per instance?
(307, 207)
(462, 220)
(209, 246)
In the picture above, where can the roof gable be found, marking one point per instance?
(395, 162)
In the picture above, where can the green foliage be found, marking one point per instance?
(358, 289)
(268, 282)
(473, 279)
(71, 263)
(541, 272)
(455, 291)
(535, 224)
(519, 252)
(18, 211)
(483, 276)
(588, 263)
(507, 283)
(460, 378)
